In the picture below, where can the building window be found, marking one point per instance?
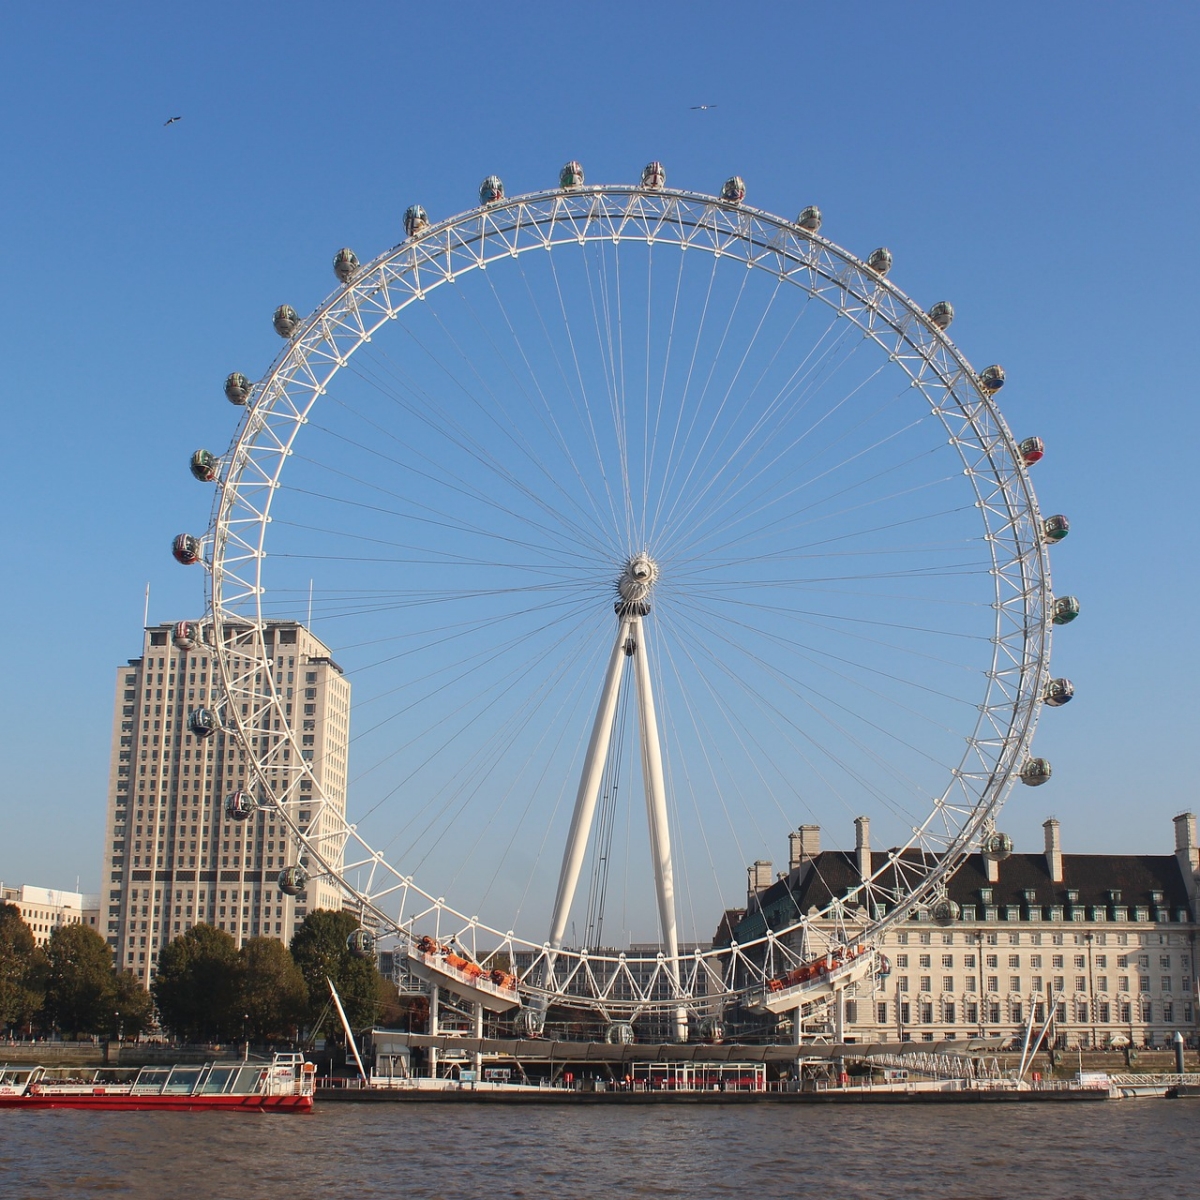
(926, 1014)
(881, 1012)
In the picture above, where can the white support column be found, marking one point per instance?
(433, 1029)
(656, 812)
(477, 1013)
(589, 791)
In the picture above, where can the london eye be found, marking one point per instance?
(648, 527)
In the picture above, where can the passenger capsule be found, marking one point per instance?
(1035, 772)
(293, 880)
(361, 944)
(884, 966)
(1064, 610)
(415, 220)
(620, 1033)
(946, 912)
(186, 549)
(571, 176)
(992, 379)
(654, 175)
(491, 190)
(733, 189)
(1056, 528)
(285, 320)
(240, 806)
(942, 314)
(237, 388)
(203, 466)
(201, 723)
(880, 261)
(185, 635)
(809, 218)
(1058, 692)
(998, 846)
(345, 263)
(1032, 450)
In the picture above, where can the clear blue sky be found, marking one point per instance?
(1035, 164)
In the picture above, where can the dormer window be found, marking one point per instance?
(1072, 896)
(1157, 897)
(1114, 895)
(1031, 895)
(985, 894)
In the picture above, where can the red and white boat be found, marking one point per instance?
(285, 1084)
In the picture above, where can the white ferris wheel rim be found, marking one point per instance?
(325, 341)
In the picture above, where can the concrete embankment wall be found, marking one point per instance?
(109, 1054)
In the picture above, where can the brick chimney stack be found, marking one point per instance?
(803, 846)
(1187, 852)
(1054, 862)
(862, 846)
(758, 879)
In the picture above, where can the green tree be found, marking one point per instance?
(20, 995)
(319, 948)
(274, 996)
(79, 981)
(133, 1008)
(197, 986)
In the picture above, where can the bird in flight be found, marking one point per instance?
(702, 107)
(172, 121)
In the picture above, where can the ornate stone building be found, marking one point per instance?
(1109, 939)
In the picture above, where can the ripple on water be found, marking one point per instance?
(1120, 1151)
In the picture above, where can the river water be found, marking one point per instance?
(1129, 1149)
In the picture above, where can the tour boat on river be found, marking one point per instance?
(285, 1084)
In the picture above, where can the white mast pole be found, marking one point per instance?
(656, 813)
(589, 790)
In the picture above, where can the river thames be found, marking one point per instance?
(1131, 1149)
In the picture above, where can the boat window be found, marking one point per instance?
(151, 1079)
(183, 1080)
(219, 1079)
(248, 1079)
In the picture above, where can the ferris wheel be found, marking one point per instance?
(648, 527)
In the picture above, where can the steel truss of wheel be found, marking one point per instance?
(324, 343)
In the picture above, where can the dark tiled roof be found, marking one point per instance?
(835, 873)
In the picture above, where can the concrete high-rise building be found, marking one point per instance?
(172, 859)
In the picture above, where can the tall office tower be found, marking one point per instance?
(173, 858)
